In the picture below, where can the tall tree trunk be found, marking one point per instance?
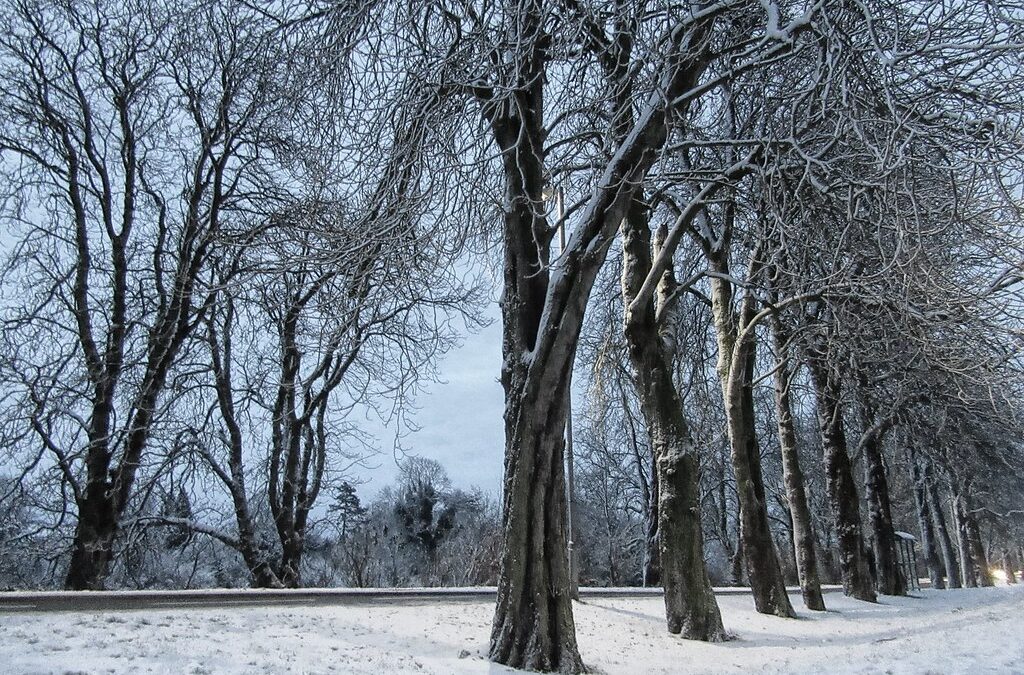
(796, 495)
(690, 606)
(973, 551)
(652, 553)
(842, 490)
(736, 348)
(542, 315)
(533, 626)
(949, 556)
(888, 579)
(963, 542)
(924, 521)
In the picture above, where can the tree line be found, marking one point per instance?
(776, 245)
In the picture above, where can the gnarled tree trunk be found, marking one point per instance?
(93, 544)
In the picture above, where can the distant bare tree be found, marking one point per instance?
(134, 140)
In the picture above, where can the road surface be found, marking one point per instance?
(81, 601)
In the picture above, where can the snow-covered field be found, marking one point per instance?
(965, 631)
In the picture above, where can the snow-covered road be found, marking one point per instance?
(965, 631)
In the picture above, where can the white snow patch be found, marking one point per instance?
(962, 631)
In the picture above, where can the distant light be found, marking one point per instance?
(999, 575)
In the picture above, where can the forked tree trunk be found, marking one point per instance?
(542, 315)
(690, 606)
(796, 494)
(842, 490)
(736, 370)
(533, 625)
(929, 550)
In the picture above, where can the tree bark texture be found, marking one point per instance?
(975, 563)
(929, 549)
(690, 606)
(542, 315)
(888, 578)
(949, 555)
(796, 494)
(736, 348)
(842, 490)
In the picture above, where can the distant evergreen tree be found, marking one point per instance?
(347, 508)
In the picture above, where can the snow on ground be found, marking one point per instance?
(963, 631)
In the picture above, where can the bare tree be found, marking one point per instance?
(138, 143)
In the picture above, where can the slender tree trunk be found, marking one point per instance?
(924, 521)
(842, 490)
(647, 475)
(967, 569)
(975, 550)
(221, 346)
(690, 606)
(888, 579)
(949, 556)
(652, 555)
(735, 370)
(796, 495)
(736, 562)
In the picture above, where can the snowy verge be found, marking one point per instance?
(963, 631)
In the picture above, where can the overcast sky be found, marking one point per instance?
(460, 419)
